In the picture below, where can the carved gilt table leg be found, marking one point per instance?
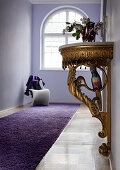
(104, 149)
(96, 55)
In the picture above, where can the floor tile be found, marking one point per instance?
(77, 146)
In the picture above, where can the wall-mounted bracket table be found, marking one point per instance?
(99, 55)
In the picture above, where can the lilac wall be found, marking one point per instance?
(113, 34)
(56, 81)
(15, 51)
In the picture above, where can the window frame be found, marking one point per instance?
(42, 39)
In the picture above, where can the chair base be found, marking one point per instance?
(40, 97)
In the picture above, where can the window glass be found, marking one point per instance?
(52, 36)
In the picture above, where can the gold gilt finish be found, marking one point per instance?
(91, 54)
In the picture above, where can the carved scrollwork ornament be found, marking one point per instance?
(89, 56)
(75, 85)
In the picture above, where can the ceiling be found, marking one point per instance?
(65, 1)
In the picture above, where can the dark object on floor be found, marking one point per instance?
(33, 83)
(26, 136)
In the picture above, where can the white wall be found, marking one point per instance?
(15, 51)
(113, 34)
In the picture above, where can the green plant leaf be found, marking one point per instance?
(74, 34)
(67, 22)
(78, 31)
(81, 28)
(71, 28)
(79, 25)
(88, 20)
(77, 37)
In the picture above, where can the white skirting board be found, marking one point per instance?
(12, 108)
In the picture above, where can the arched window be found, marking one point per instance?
(52, 36)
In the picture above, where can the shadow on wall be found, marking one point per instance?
(115, 106)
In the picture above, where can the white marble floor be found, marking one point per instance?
(77, 146)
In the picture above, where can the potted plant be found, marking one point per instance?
(86, 28)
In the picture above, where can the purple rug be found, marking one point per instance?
(26, 136)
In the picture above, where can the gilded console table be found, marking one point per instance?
(98, 55)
